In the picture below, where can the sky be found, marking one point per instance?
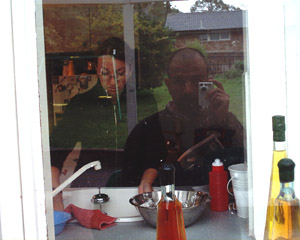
(185, 5)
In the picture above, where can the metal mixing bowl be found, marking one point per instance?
(193, 205)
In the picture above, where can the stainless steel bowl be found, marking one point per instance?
(193, 205)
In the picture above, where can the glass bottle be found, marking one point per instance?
(65, 68)
(170, 223)
(286, 216)
(279, 152)
(71, 68)
(218, 178)
(90, 67)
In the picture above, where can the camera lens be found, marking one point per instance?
(203, 89)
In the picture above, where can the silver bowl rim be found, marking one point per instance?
(205, 201)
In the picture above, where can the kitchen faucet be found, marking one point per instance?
(95, 164)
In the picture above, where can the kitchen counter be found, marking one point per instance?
(210, 226)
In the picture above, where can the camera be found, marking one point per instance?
(204, 87)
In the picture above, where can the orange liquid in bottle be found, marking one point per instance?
(170, 223)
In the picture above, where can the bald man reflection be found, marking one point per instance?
(167, 134)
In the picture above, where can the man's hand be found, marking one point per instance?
(57, 200)
(148, 178)
(219, 100)
(145, 187)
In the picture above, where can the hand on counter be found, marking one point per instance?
(147, 180)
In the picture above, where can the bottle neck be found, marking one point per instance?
(279, 146)
(287, 191)
(168, 192)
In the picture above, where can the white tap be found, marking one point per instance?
(95, 164)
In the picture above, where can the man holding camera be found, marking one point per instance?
(197, 116)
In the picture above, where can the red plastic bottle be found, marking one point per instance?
(218, 187)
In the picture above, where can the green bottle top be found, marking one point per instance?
(286, 170)
(278, 128)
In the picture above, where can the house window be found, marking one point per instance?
(215, 36)
(224, 36)
(204, 37)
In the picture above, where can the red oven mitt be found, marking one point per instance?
(90, 218)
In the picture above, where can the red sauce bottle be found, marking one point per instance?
(218, 178)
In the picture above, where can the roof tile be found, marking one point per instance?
(205, 20)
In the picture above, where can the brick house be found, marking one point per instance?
(220, 33)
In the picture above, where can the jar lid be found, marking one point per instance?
(286, 170)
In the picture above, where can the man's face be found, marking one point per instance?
(184, 75)
(112, 73)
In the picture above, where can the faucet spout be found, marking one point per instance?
(95, 164)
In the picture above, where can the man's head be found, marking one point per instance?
(187, 67)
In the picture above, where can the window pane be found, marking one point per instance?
(203, 37)
(85, 58)
(224, 36)
(93, 48)
(214, 36)
(89, 117)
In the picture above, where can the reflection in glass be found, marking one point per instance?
(88, 109)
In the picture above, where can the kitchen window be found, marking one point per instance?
(215, 36)
(25, 146)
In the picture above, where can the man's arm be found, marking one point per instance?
(57, 200)
(143, 152)
(147, 180)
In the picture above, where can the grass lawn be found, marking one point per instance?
(235, 89)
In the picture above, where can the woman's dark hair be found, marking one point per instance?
(112, 46)
(116, 46)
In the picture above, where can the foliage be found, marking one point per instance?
(236, 71)
(197, 45)
(106, 21)
(212, 5)
(154, 43)
(79, 28)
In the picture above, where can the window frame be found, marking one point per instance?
(26, 143)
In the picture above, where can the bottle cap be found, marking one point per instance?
(278, 123)
(217, 163)
(167, 174)
(286, 170)
(217, 166)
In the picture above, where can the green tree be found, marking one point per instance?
(212, 5)
(153, 41)
(81, 28)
